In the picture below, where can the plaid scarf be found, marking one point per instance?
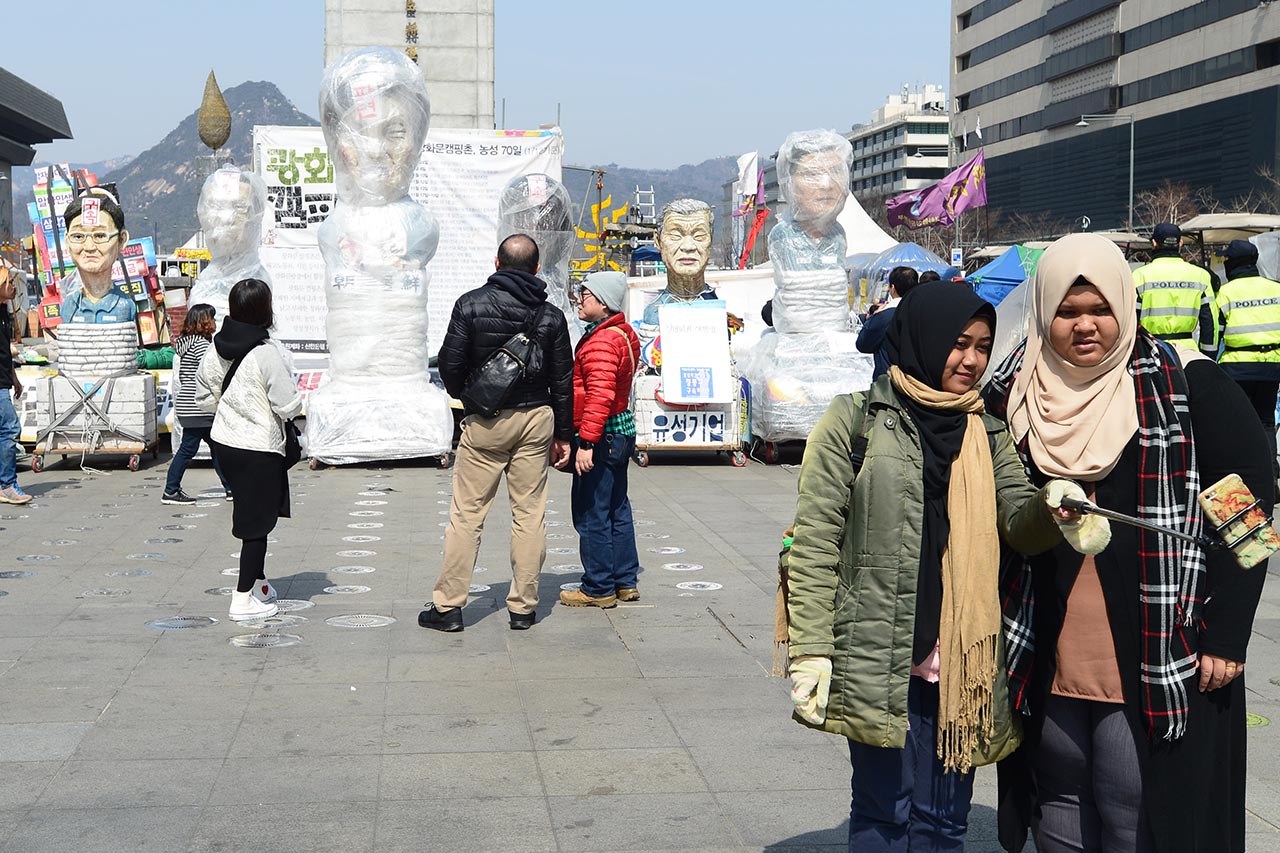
(1173, 571)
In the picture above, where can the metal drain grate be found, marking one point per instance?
(477, 588)
(289, 605)
(346, 589)
(666, 549)
(182, 623)
(360, 620)
(682, 567)
(220, 590)
(14, 575)
(264, 641)
(104, 592)
(145, 557)
(352, 570)
(36, 558)
(129, 573)
(165, 540)
(699, 586)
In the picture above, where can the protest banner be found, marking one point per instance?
(459, 179)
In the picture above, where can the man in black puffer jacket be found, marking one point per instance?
(520, 440)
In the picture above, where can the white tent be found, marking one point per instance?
(861, 232)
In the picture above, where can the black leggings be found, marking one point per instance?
(253, 558)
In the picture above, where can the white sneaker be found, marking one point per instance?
(244, 607)
(264, 591)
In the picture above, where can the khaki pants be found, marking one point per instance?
(517, 442)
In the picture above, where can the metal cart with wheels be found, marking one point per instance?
(663, 426)
(109, 415)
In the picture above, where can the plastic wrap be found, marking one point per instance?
(538, 205)
(378, 401)
(795, 377)
(1012, 316)
(231, 206)
(94, 349)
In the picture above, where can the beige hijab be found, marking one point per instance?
(1077, 420)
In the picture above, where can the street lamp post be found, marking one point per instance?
(1084, 122)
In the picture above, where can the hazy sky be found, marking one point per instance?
(653, 84)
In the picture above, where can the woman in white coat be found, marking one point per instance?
(246, 379)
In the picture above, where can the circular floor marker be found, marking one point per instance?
(289, 605)
(182, 623)
(177, 527)
(444, 492)
(60, 542)
(347, 589)
(264, 641)
(699, 586)
(117, 506)
(280, 620)
(445, 501)
(235, 555)
(360, 620)
(565, 569)
(145, 557)
(682, 567)
(104, 592)
(17, 517)
(361, 537)
(232, 572)
(570, 587)
(165, 540)
(444, 524)
(357, 553)
(443, 511)
(130, 573)
(477, 588)
(555, 524)
(559, 536)
(643, 522)
(655, 536)
(562, 550)
(371, 503)
(373, 494)
(191, 515)
(36, 558)
(220, 590)
(82, 529)
(207, 504)
(366, 513)
(1252, 720)
(15, 575)
(352, 570)
(479, 569)
(365, 525)
(551, 512)
(666, 549)
(96, 515)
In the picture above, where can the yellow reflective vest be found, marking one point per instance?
(1175, 299)
(1250, 309)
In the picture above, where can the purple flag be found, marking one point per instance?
(941, 203)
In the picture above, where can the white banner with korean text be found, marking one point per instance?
(459, 179)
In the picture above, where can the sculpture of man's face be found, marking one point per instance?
(685, 242)
(230, 223)
(819, 184)
(378, 144)
(101, 246)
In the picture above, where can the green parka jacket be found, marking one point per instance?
(855, 560)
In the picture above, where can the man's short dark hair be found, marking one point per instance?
(518, 252)
(903, 280)
(928, 276)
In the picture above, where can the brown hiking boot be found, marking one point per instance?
(628, 593)
(578, 598)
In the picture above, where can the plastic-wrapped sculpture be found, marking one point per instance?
(232, 204)
(796, 372)
(538, 205)
(378, 401)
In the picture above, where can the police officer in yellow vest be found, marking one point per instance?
(1250, 308)
(1175, 298)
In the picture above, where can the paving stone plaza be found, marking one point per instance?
(652, 726)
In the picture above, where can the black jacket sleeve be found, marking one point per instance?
(453, 352)
(874, 331)
(560, 377)
(1229, 440)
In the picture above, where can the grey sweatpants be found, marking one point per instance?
(1088, 781)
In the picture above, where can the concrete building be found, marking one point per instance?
(28, 117)
(1199, 79)
(452, 40)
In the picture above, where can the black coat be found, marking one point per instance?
(485, 318)
(1193, 788)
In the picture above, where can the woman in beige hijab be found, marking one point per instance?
(1132, 668)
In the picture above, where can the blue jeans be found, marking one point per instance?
(902, 801)
(602, 517)
(191, 438)
(10, 429)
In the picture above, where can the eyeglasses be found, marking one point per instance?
(582, 293)
(98, 237)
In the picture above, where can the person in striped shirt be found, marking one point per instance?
(196, 423)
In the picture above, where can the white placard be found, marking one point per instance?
(695, 353)
(459, 179)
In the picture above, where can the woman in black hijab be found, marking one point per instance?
(893, 605)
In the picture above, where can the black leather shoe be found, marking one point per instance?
(441, 620)
(522, 621)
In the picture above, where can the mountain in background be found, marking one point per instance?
(159, 187)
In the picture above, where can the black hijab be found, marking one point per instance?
(924, 330)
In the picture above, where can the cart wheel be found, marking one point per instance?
(134, 461)
(738, 458)
(642, 458)
(37, 464)
(771, 453)
(446, 460)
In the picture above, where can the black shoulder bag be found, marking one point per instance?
(292, 436)
(489, 386)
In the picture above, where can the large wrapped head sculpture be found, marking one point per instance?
(813, 175)
(232, 204)
(538, 205)
(685, 227)
(375, 113)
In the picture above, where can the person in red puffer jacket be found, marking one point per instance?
(603, 366)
